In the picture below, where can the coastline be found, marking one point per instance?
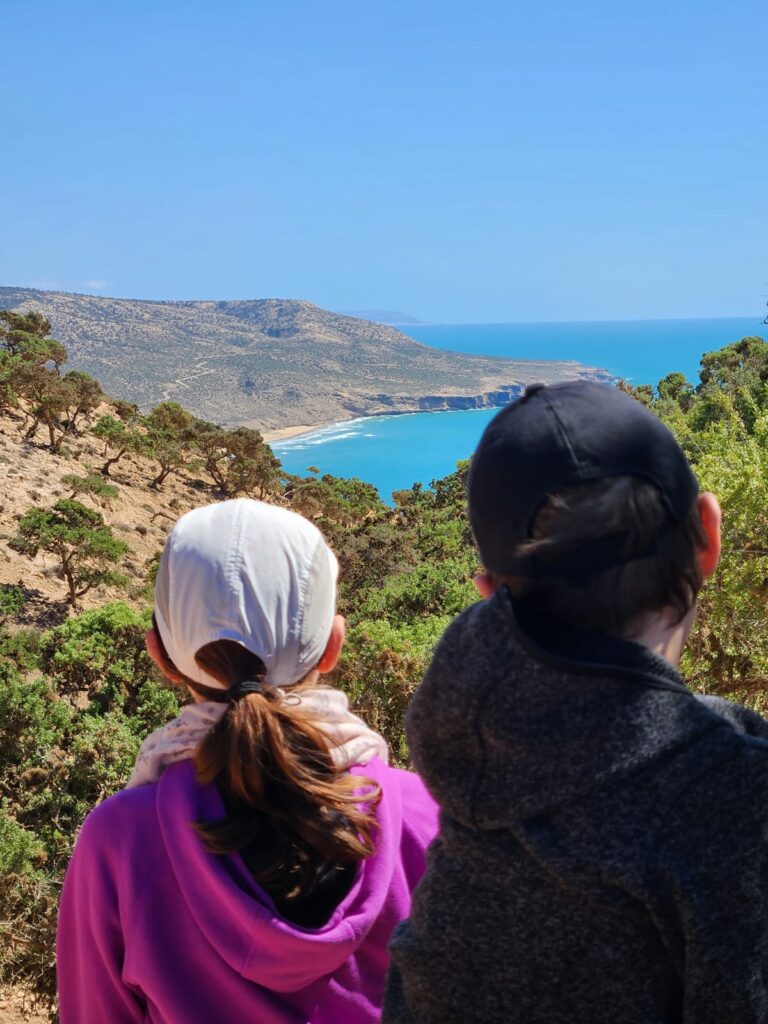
(291, 433)
(284, 433)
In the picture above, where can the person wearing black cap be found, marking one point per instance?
(603, 850)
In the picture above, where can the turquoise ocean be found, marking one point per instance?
(394, 452)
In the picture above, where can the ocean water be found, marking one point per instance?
(394, 452)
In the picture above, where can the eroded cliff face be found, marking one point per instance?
(377, 404)
(488, 400)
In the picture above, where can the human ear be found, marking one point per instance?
(333, 647)
(484, 583)
(157, 654)
(711, 517)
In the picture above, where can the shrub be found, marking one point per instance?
(20, 850)
(21, 647)
(12, 600)
(381, 666)
(98, 650)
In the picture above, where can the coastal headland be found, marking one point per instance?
(283, 366)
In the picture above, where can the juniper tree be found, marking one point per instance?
(46, 398)
(79, 538)
(83, 394)
(120, 438)
(93, 484)
(238, 460)
(169, 436)
(30, 365)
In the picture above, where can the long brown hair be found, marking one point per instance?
(272, 762)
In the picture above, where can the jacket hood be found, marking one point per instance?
(506, 726)
(239, 919)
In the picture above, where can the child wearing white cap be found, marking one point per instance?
(264, 850)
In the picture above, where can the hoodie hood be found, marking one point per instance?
(506, 726)
(238, 918)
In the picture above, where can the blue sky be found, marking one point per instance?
(461, 162)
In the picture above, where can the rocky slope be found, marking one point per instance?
(270, 363)
(139, 515)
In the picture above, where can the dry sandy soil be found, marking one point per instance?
(139, 515)
(15, 1010)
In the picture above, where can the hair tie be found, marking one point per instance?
(239, 690)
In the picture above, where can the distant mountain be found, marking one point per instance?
(270, 363)
(384, 316)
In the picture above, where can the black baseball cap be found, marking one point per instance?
(557, 436)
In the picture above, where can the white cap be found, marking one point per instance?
(250, 572)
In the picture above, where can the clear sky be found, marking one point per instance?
(473, 161)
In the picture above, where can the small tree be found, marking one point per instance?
(238, 460)
(253, 468)
(26, 335)
(169, 435)
(46, 397)
(30, 370)
(642, 392)
(12, 323)
(93, 484)
(125, 411)
(9, 391)
(80, 540)
(120, 438)
(83, 394)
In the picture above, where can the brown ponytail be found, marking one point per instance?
(273, 764)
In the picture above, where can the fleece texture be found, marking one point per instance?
(153, 928)
(603, 842)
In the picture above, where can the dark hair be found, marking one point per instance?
(272, 762)
(657, 567)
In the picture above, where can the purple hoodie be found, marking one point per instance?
(152, 927)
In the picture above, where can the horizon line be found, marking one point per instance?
(761, 318)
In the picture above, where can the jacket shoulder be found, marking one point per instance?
(419, 808)
(127, 817)
(743, 719)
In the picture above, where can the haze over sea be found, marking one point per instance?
(393, 452)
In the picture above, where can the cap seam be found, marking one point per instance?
(303, 584)
(564, 436)
(234, 555)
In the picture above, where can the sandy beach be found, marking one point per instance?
(283, 433)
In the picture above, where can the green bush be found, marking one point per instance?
(12, 600)
(381, 666)
(21, 647)
(426, 590)
(20, 850)
(33, 722)
(98, 651)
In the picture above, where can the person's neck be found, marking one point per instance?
(665, 637)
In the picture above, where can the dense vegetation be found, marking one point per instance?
(77, 698)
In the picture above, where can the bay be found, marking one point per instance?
(393, 452)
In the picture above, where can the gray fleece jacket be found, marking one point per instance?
(603, 851)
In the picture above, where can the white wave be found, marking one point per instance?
(324, 435)
(331, 438)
